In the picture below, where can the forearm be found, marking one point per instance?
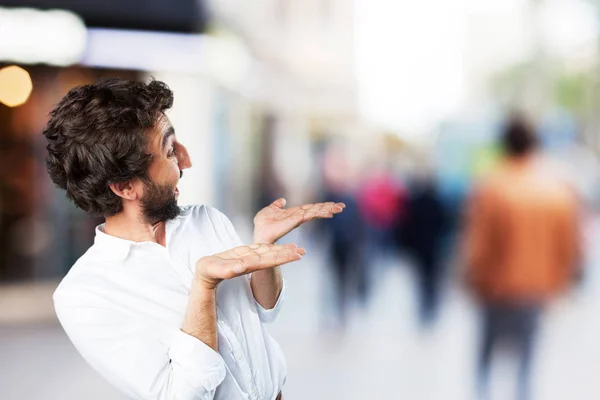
(201, 315)
(266, 286)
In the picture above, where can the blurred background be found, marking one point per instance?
(394, 107)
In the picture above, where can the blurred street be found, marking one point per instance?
(382, 355)
(462, 136)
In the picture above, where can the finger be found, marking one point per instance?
(236, 252)
(308, 214)
(241, 251)
(338, 207)
(333, 208)
(320, 210)
(317, 210)
(322, 205)
(314, 205)
(271, 247)
(255, 262)
(279, 203)
(263, 248)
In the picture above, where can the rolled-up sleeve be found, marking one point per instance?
(135, 361)
(200, 364)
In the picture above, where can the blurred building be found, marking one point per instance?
(304, 78)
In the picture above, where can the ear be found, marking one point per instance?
(127, 190)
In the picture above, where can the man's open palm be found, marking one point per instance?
(244, 260)
(274, 221)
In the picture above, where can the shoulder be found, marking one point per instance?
(92, 276)
(78, 287)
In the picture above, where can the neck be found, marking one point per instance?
(130, 226)
(522, 158)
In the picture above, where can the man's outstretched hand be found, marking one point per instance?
(211, 270)
(274, 221)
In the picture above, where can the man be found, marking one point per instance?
(521, 247)
(167, 303)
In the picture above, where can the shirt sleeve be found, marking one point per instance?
(266, 316)
(135, 361)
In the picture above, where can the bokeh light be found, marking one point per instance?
(15, 86)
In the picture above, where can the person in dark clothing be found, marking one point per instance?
(346, 237)
(420, 234)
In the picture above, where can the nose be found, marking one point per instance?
(183, 159)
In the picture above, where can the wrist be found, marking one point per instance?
(201, 280)
(257, 238)
(205, 285)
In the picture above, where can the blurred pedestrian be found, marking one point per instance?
(344, 236)
(420, 234)
(521, 248)
(381, 200)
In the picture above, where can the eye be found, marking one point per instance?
(172, 152)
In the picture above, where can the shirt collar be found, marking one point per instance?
(113, 247)
(117, 248)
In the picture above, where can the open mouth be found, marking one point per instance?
(176, 190)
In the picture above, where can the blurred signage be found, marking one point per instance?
(163, 15)
(30, 36)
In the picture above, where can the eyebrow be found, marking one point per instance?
(170, 132)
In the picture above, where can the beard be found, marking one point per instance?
(159, 203)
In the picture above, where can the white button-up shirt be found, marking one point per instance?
(123, 304)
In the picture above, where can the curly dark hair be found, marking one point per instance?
(97, 136)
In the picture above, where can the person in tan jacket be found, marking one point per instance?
(521, 247)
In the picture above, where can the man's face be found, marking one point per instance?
(169, 159)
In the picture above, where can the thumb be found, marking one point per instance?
(279, 203)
